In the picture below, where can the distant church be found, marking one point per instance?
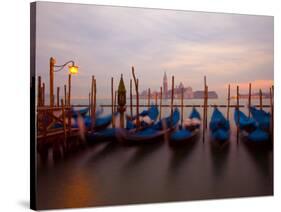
(188, 93)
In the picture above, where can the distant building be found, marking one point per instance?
(200, 95)
(188, 93)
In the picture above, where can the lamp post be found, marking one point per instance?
(121, 100)
(72, 69)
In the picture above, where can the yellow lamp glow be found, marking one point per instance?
(73, 69)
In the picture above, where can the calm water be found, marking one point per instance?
(109, 174)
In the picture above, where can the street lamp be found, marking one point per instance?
(72, 69)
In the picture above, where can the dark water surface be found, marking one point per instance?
(110, 174)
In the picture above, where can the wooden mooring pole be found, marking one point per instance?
(148, 99)
(92, 103)
(204, 113)
(89, 103)
(58, 96)
(69, 89)
(43, 94)
(137, 96)
(250, 99)
(115, 101)
(112, 104)
(65, 95)
(182, 92)
(160, 106)
(271, 113)
(172, 96)
(228, 101)
(238, 124)
(131, 98)
(261, 99)
(39, 93)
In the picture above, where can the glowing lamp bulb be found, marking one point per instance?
(73, 69)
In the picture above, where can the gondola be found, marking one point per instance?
(107, 134)
(147, 118)
(250, 129)
(112, 134)
(219, 126)
(153, 133)
(261, 117)
(81, 112)
(187, 132)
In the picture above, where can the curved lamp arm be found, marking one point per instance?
(60, 67)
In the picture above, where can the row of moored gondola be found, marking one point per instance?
(255, 129)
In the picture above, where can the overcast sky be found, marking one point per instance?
(106, 41)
